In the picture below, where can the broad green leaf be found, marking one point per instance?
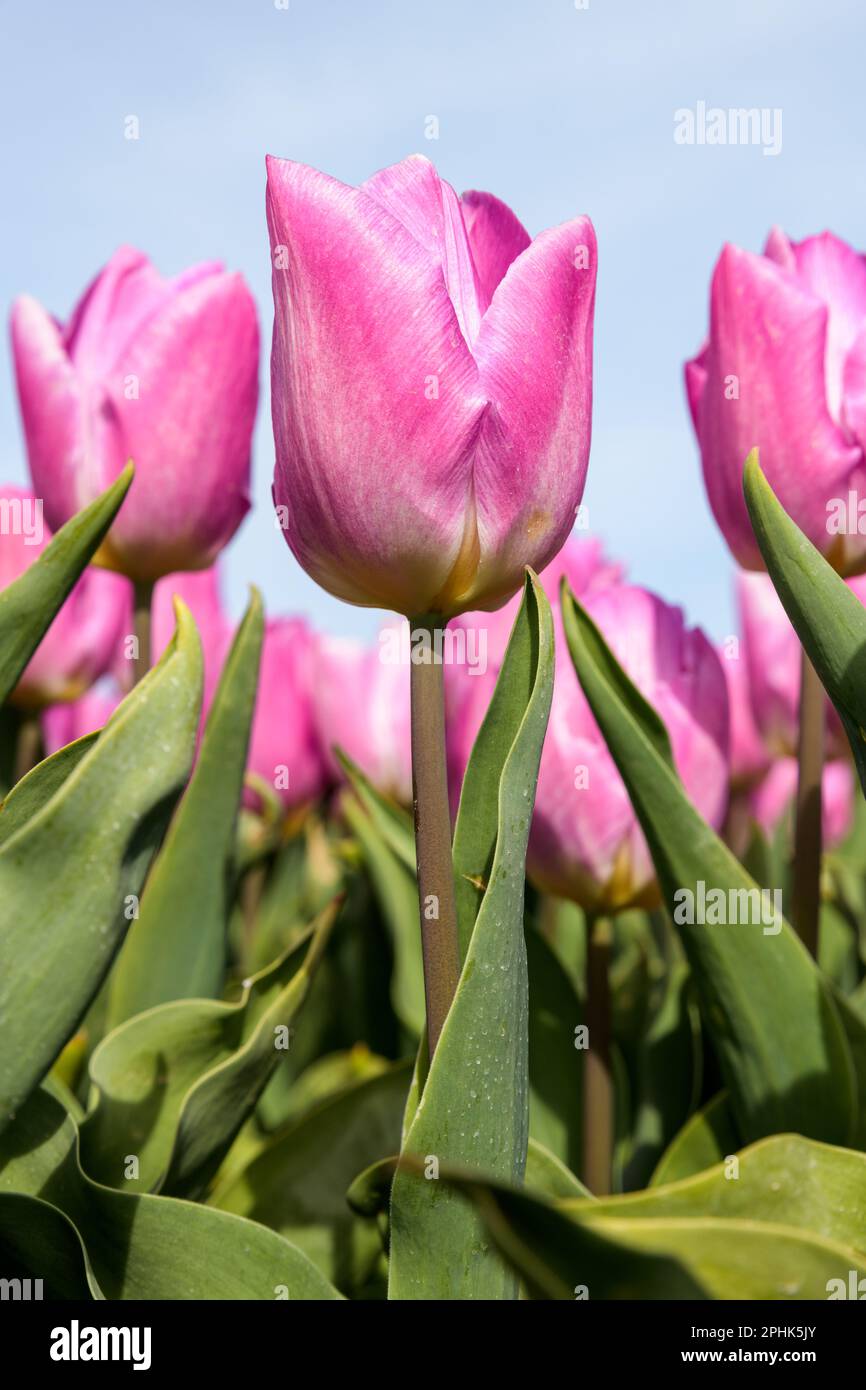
(829, 619)
(40, 784)
(548, 1175)
(555, 1064)
(29, 605)
(298, 1181)
(139, 1246)
(69, 872)
(393, 823)
(175, 1084)
(38, 1242)
(704, 1140)
(783, 1051)
(559, 1258)
(474, 1108)
(783, 1181)
(177, 948)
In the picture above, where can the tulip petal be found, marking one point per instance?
(430, 211)
(187, 429)
(62, 470)
(376, 403)
(854, 390)
(836, 274)
(496, 237)
(534, 355)
(766, 387)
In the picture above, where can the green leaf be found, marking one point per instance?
(297, 1183)
(29, 605)
(704, 1140)
(783, 1051)
(555, 1064)
(176, 949)
(474, 1108)
(829, 619)
(548, 1175)
(789, 1220)
(139, 1246)
(39, 785)
(175, 1084)
(67, 872)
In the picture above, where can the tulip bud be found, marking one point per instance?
(84, 639)
(160, 371)
(431, 386)
(284, 749)
(784, 370)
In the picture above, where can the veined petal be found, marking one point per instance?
(766, 387)
(534, 355)
(376, 400)
(496, 237)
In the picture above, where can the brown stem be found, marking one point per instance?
(439, 940)
(142, 600)
(28, 742)
(598, 1074)
(806, 869)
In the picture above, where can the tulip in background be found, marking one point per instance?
(585, 843)
(783, 370)
(431, 379)
(362, 707)
(284, 750)
(162, 371)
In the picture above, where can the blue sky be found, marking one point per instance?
(559, 110)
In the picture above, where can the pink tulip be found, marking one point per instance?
(62, 724)
(160, 371)
(772, 799)
(284, 749)
(85, 636)
(201, 592)
(749, 757)
(362, 706)
(772, 656)
(784, 369)
(585, 843)
(432, 383)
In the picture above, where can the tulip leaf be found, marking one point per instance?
(704, 1140)
(297, 1182)
(786, 1223)
(392, 822)
(783, 1052)
(40, 784)
(829, 618)
(474, 1107)
(555, 1064)
(29, 604)
(175, 1084)
(140, 1246)
(176, 949)
(69, 872)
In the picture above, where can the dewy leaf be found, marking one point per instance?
(781, 1046)
(175, 1084)
(176, 949)
(28, 606)
(138, 1246)
(829, 618)
(71, 872)
(474, 1106)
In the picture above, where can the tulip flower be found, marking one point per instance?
(284, 749)
(431, 382)
(585, 843)
(431, 386)
(85, 637)
(163, 371)
(201, 592)
(783, 369)
(62, 724)
(749, 757)
(362, 706)
(772, 799)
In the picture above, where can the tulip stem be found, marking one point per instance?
(598, 1073)
(438, 910)
(28, 743)
(142, 600)
(806, 869)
